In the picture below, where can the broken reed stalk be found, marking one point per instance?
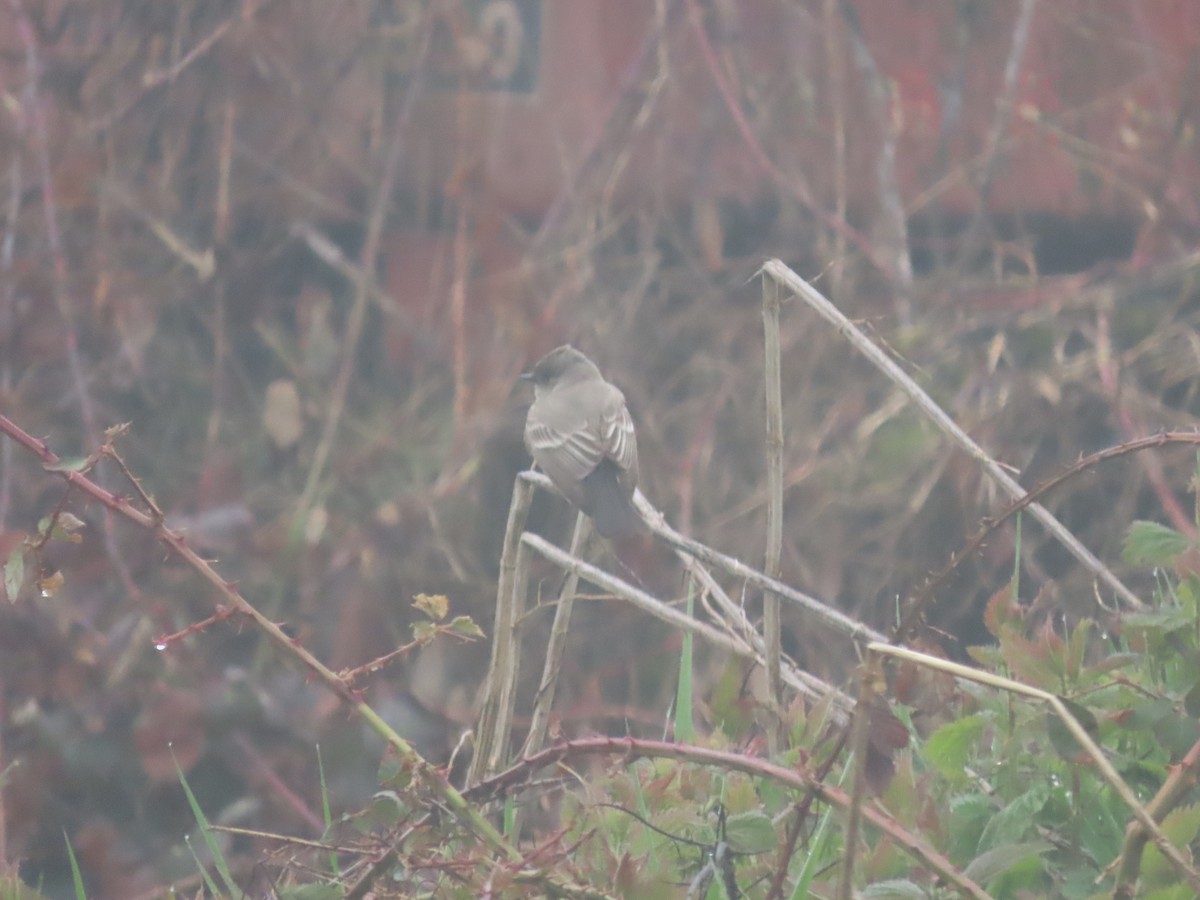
(544, 700)
(739, 646)
(772, 628)
(778, 271)
(490, 730)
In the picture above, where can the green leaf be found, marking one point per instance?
(433, 605)
(969, 815)
(750, 832)
(949, 748)
(464, 626)
(1151, 544)
(1011, 824)
(69, 464)
(213, 847)
(311, 892)
(895, 889)
(1180, 826)
(424, 631)
(994, 862)
(76, 875)
(14, 573)
(1172, 892)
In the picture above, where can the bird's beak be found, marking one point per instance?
(525, 376)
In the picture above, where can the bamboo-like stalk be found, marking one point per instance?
(772, 627)
(544, 700)
(493, 691)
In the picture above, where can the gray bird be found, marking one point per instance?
(580, 434)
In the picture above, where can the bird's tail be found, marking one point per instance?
(611, 508)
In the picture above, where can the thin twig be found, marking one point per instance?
(917, 601)
(431, 779)
(61, 289)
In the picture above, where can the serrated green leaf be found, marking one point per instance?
(750, 832)
(969, 815)
(14, 573)
(424, 631)
(988, 865)
(1152, 544)
(948, 748)
(894, 889)
(464, 626)
(387, 808)
(436, 606)
(69, 464)
(311, 892)
(69, 522)
(1013, 822)
(1181, 826)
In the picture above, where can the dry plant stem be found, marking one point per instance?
(894, 230)
(8, 301)
(858, 745)
(772, 641)
(918, 600)
(544, 702)
(777, 270)
(203, 263)
(793, 183)
(742, 647)
(506, 696)
(330, 254)
(6, 868)
(636, 596)
(837, 104)
(1001, 116)
(36, 114)
(607, 125)
(739, 627)
(1178, 786)
(628, 749)
(425, 774)
(504, 629)
(835, 619)
(362, 291)
(1140, 812)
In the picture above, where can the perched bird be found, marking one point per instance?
(580, 434)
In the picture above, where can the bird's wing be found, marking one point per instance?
(618, 440)
(567, 456)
